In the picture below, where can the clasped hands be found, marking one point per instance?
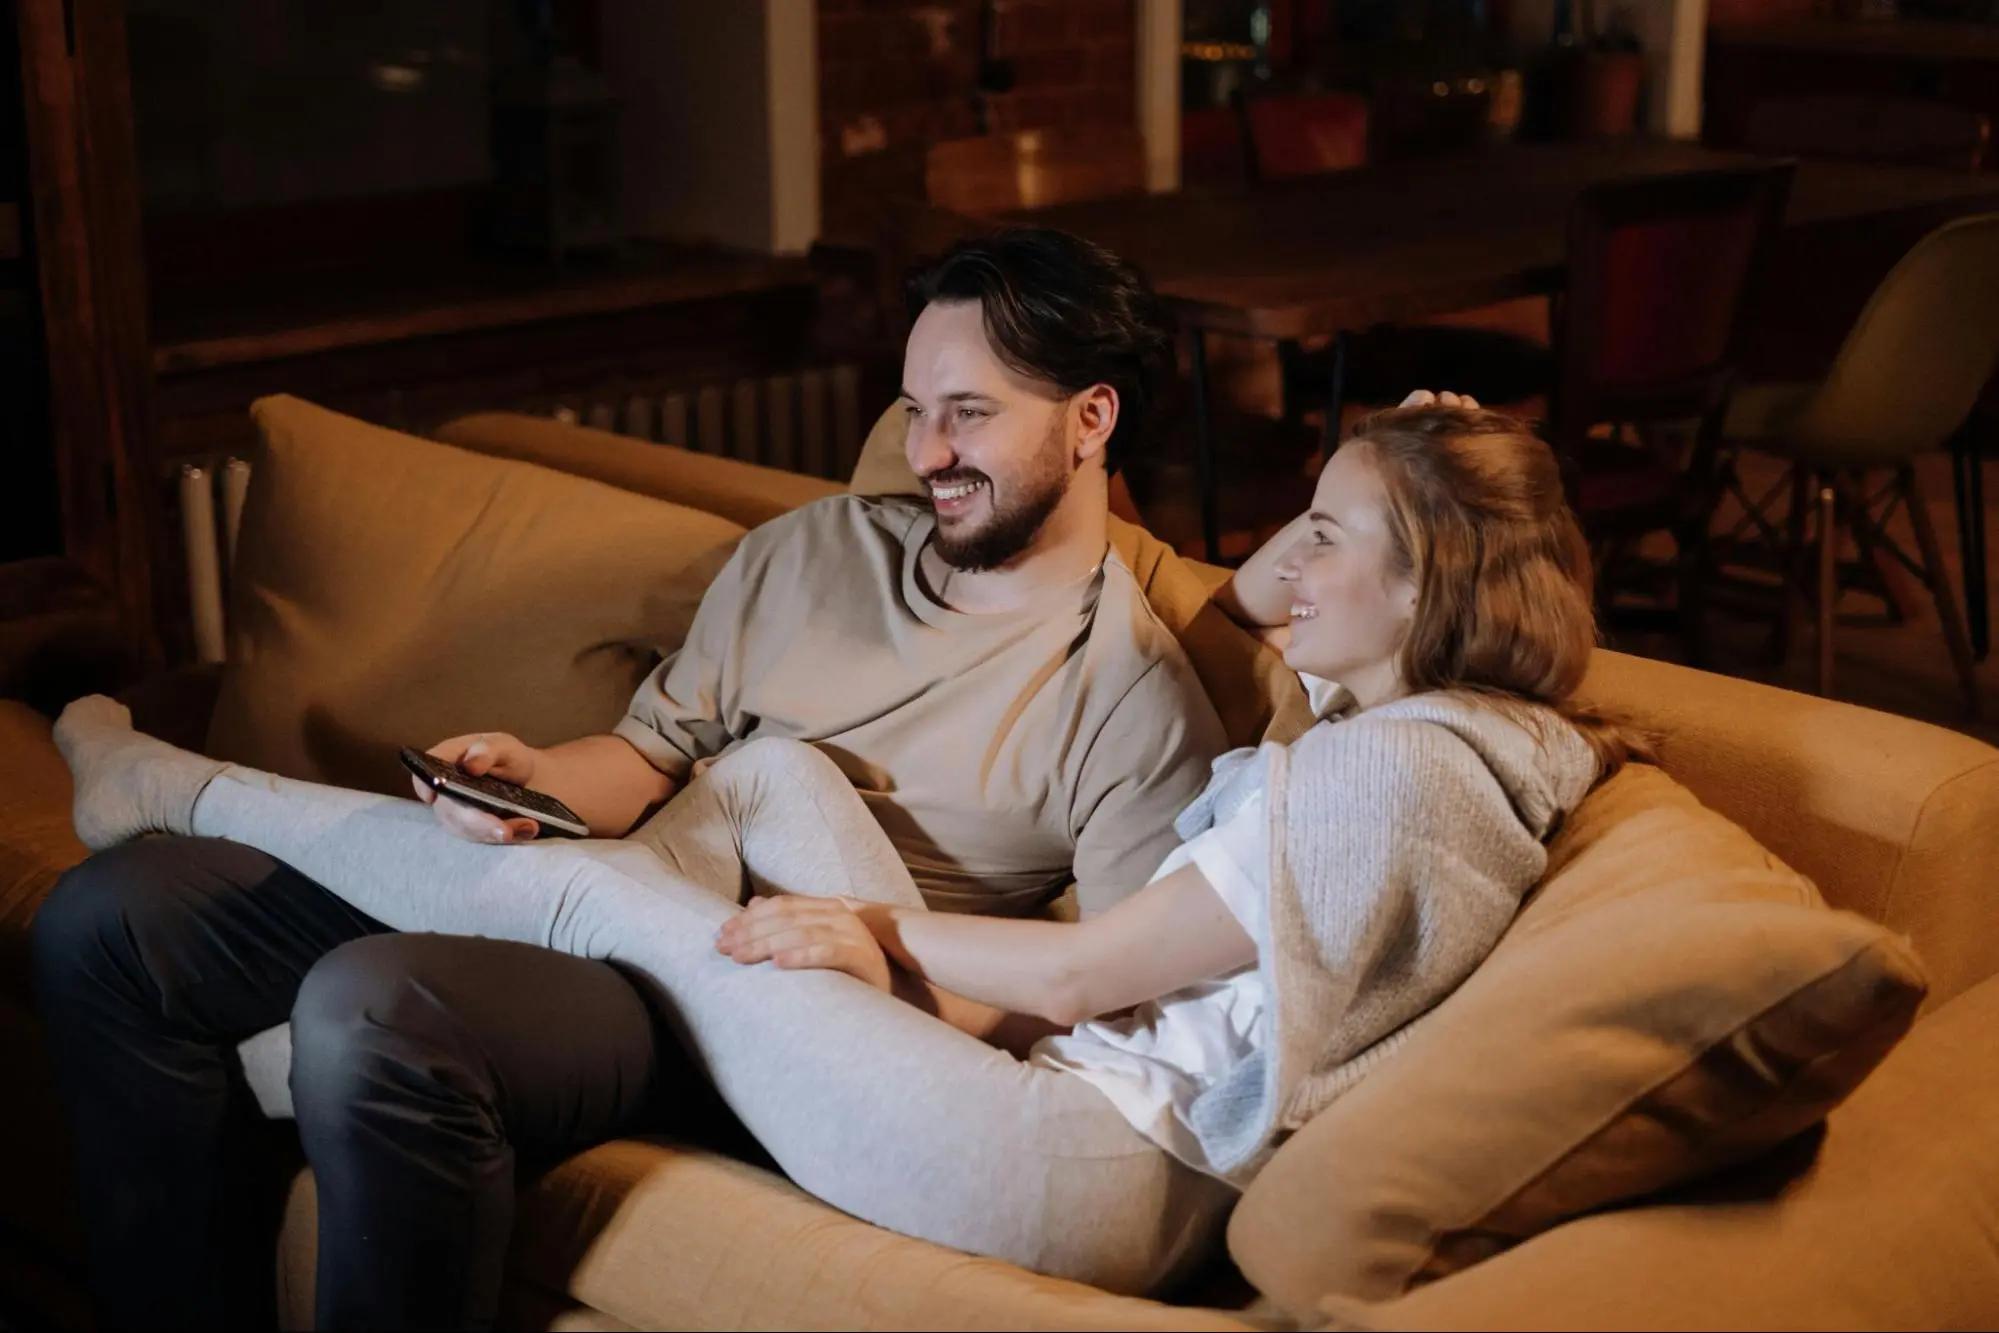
(796, 931)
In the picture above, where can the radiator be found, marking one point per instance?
(209, 548)
(807, 421)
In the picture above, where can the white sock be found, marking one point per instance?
(127, 783)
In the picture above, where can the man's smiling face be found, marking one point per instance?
(991, 446)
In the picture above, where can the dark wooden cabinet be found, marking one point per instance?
(143, 320)
(82, 440)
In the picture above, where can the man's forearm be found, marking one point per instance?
(607, 782)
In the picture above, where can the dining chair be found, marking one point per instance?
(1303, 134)
(1904, 383)
(1900, 130)
(1647, 330)
(1289, 136)
(1904, 131)
(998, 173)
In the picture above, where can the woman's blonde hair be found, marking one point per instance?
(1478, 520)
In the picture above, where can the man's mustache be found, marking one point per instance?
(957, 478)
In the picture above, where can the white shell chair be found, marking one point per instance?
(1904, 383)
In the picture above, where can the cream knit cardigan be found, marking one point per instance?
(1402, 840)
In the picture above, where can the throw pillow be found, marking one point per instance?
(1671, 1000)
(1885, 1223)
(393, 591)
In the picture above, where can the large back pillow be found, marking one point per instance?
(1671, 1000)
(392, 591)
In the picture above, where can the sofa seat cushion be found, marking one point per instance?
(393, 591)
(657, 1234)
(1671, 1000)
(1891, 1222)
(37, 840)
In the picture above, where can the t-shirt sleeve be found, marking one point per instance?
(1149, 759)
(685, 710)
(1234, 857)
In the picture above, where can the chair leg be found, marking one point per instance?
(1892, 578)
(1981, 614)
(1967, 476)
(1792, 566)
(1828, 507)
(1897, 589)
(1336, 396)
(1708, 465)
(1940, 589)
(1696, 572)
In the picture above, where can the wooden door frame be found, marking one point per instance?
(84, 182)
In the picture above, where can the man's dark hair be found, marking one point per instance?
(1064, 311)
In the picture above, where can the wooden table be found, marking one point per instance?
(1404, 241)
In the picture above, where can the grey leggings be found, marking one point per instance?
(874, 1106)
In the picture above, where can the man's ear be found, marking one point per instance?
(1096, 411)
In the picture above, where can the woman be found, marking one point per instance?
(1327, 894)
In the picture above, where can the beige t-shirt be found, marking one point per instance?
(997, 751)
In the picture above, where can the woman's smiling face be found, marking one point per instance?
(1350, 607)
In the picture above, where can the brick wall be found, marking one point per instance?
(896, 76)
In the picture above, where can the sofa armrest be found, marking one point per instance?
(1887, 1225)
(37, 840)
(1889, 817)
(744, 493)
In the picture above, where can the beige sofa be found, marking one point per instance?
(1884, 1219)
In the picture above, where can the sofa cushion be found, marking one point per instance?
(657, 1234)
(1672, 999)
(1891, 1222)
(668, 1236)
(1246, 681)
(393, 591)
(37, 840)
(1890, 817)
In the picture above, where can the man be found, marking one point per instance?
(980, 665)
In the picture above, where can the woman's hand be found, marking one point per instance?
(1425, 398)
(481, 752)
(1254, 597)
(795, 931)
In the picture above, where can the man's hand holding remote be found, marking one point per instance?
(483, 752)
(603, 779)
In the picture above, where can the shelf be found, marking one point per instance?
(1884, 39)
(210, 328)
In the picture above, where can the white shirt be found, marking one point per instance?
(1154, 1062)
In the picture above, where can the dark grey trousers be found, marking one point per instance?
(425, 1068)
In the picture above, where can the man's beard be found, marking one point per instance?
(1012, 529)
